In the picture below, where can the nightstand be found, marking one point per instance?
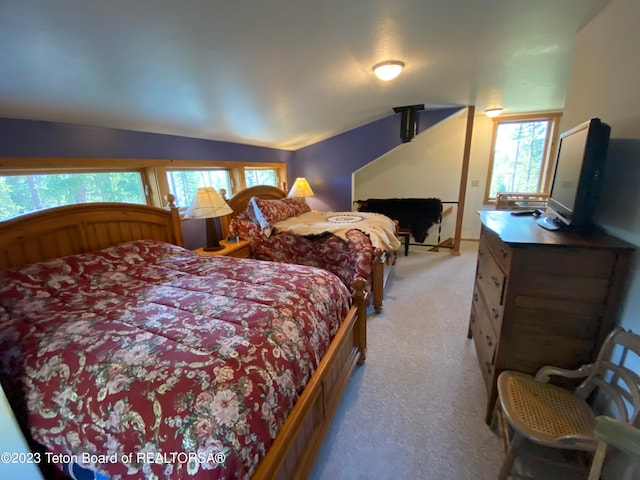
(239, 249)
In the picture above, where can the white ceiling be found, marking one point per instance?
(278, 73)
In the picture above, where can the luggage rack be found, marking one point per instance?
(405, 233)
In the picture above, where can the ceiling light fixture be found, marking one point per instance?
(493, 112)
(388, 70)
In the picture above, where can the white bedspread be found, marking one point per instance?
(380, 228)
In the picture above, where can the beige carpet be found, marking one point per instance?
(415, 410)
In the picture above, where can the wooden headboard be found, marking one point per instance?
(240, 200)
(81, 228)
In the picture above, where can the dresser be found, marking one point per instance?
(542, 297)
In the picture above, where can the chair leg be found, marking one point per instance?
(598, 461)
(511, 456)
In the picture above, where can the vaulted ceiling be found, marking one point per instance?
(278, 73)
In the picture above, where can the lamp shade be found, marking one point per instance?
(301, 188)
(207, 203)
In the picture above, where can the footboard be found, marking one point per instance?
(293, 451)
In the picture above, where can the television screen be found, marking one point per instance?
(567, 176)
(578, 170)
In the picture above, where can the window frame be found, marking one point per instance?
(548, 160)
(183, 208)
(153, 171)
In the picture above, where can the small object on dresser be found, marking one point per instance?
(523, 213)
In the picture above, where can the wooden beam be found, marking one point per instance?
(463, 179)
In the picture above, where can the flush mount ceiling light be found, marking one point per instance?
(388, 70)
(493, 112)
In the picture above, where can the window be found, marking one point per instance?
(260, 176)
(24, 193)
(521, 154)
(184, 183)
(28, 184)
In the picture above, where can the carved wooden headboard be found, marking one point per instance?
(81, 228)
(240, 200)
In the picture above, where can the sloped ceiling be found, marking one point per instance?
(278, 73)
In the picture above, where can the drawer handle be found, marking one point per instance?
(489, 340)
(495, 312)
(504, 252)
(496, 282)
(479, 275)
(487, 364)
(475, 297)
(473, 319)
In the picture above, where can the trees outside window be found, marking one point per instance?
(260, 176)
(184, 183)
(28, 193)
(521, 154)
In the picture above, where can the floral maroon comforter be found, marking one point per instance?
(348, 260)
(146, 360)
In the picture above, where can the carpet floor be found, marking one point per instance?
(415, 409)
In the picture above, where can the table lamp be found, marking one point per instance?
(301, 188)
(208, 204)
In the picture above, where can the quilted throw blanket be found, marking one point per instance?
(379, 228)
(146, 360)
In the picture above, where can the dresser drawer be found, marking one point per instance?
(243, 252)
(490, 278)
(485, 342)
(500, 250)
(492, 310)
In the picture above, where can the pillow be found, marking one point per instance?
(265, 225)
(274, 211)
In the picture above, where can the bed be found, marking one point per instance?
(354, 255)
(140, 359)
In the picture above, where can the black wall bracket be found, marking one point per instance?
(408, 121)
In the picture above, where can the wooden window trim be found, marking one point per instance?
(551, 142)
(153, 171)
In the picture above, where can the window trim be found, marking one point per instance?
(549, 148)
(153, 171)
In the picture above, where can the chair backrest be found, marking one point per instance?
(614, 377)
(521, 201)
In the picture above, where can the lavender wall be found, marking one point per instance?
(328, 165)
(31, 138)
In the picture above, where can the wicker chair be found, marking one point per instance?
(521, 201)
(555, 417)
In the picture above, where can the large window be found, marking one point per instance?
(184, 183)
(27, 193)
(521, 154)
(29, 184)
(260, 176)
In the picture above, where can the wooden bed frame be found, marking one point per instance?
(382, 261)
(82, 228)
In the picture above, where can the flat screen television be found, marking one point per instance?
(576, 182)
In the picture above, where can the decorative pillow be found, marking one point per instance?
(265, 225)
(274, 211)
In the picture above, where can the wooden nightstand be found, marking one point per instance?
(239, 249)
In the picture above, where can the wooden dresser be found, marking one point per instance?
(541, 297)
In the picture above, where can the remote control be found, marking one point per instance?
(522, 213)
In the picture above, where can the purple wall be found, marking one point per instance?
(328, 165)
(31, 138)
